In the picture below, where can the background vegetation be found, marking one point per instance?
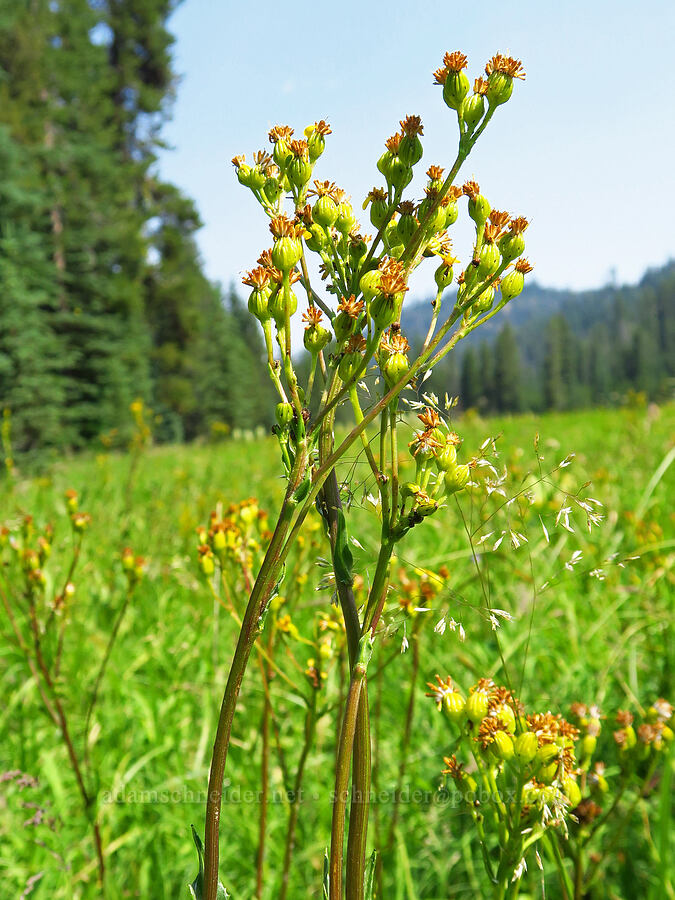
(581, 638)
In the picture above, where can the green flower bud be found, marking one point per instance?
(454, 706)
(390, 237)
(258, 304)
(316, 140)
(572, 791)
(438, 219)
(506, 714)
(476, 706)
(455, 89)
(479, 210)
(346, 219)
(272, 189)
(512, 285)
(400, 174)
(588, 745)
(284, 415)
(384, 163)
(349, 365)
(325, 211)
(547, 754)
(394, 368)
(258, 178)
(410, 149)
(315, 238)
(369, 284)
(286, 252)
(499, 88)
(409, 489)
(244, 175)
(343, 326)
(406, 227)
(443, 275)
(456, 478)
(280, 301)
(489, 260)
(502, 745)
(473, 110)
(206, 563)
(379, 210)
(526, 747)
(484, 300)
(315, 338)
(631, 738)
(446, 458)
(357, 251)
(451, 213)
(282, 155)
(383, 310)
(511, 246)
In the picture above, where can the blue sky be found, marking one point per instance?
(585, 147)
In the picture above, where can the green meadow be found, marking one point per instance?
(587, 616)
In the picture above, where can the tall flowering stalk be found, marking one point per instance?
(352, 328)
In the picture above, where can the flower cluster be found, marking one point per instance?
(234, 538)
(368, 276)
(536, 771)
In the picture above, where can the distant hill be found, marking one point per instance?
(626, 331)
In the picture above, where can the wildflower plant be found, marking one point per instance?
(535, 785)
(39, 577)
(352, 328)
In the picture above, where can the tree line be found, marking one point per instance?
(103, 299)
(598, 347)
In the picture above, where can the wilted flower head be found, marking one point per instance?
(506, 65)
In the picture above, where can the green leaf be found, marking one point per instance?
(303, 489)
(343, 559)
(197, 886)
(369, 879)
(326, 875)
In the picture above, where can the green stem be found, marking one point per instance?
(310, 731)
(346, 743)
(405, 740)
(262, 590)
(565, 880)
(101, 672)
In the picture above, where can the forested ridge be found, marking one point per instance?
(560, 349)
(102, 295)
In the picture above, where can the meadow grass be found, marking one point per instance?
(594, 627)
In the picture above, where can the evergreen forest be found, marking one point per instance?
(103, 297)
